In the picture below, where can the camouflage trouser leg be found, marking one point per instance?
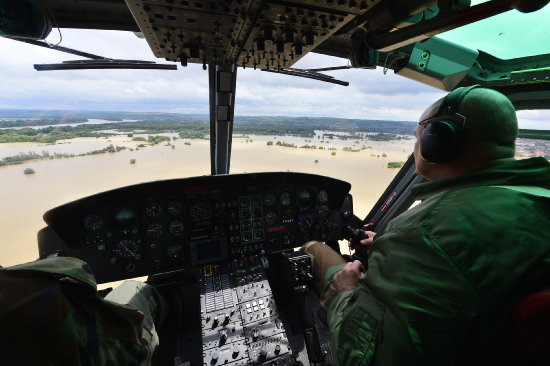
(145, 298)
(326, 263)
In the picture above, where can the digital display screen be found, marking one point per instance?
(209, 250)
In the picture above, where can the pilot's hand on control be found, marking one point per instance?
(367, 242)
(348, 277)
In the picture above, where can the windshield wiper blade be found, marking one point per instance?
(312, 74)
(104, 64)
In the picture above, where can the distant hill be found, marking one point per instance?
(332, 124)
(28, 118)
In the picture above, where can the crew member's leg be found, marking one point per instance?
(326, 263)
(146, 299)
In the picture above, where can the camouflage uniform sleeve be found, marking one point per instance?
(51, 314)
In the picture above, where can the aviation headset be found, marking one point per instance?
(441, 140)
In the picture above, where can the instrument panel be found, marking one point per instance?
(168, 225)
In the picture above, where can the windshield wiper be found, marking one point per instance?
(104, 64)
(313, 74)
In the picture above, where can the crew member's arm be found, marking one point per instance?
(51, 313)
(410, 308)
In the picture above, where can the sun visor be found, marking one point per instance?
(439, 63)
(23, 19)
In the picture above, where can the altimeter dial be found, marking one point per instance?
(176, 228)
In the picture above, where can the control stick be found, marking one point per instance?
(355, 236)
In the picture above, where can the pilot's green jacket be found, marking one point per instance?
(51, 314)
(443, 278)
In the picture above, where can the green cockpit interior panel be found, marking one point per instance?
(23, 19)
(508, 35)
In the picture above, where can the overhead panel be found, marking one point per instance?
(248, 33)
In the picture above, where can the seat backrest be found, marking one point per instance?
(532, 323)
(526, 342)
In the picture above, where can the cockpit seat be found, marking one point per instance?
(527, 343)
(532, 322)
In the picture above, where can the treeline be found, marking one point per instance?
(300, 126)
(332, 124)
(194, 129)
(31, 155)
(39, 122)
(47, 135)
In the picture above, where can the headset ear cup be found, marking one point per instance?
(441, 141)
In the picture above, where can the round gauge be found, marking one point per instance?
(285, 199)
(270, 200)
(93, 222)
(257, 224)
(322, 196)
(130, 267)
(324, 211)
(175, 228)
(174, 208)
(153, 209)
(307, 221)
(270, 218)
(246, 225)
(155, 230)
(304, 196)
(124, 221)
(127, 248)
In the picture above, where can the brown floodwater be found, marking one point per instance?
(24, 198)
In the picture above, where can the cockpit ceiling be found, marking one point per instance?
(249, 33)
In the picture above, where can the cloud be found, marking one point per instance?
(534, 119)
(371, 93)
(186, 90)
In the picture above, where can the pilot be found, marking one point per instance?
(444, 277)
(52, 314)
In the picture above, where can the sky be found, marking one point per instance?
(370, 95)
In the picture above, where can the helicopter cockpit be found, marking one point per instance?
(221, 247)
